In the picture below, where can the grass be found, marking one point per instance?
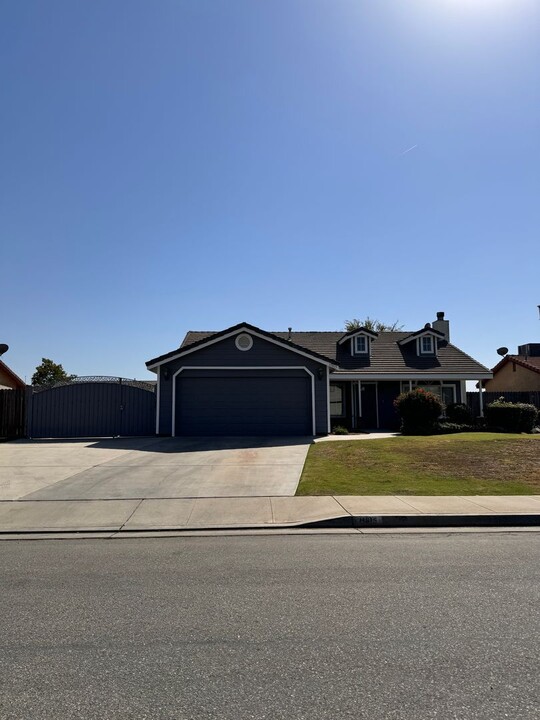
(461, 464)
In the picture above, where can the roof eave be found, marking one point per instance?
(16, 379)
(373, 375)
(360, 331)
(424, 331)
(229, 332)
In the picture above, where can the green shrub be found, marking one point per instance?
(340, 430)
(459, 413)
(511, 417)
(446, 428)
(419, 411)
(529, 417)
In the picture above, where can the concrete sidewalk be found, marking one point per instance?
(112, 516)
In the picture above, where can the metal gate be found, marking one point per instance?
(12, 413)
(92, 407)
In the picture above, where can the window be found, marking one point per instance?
(445, 393)
(336, 401)
(426, 345)
(361, 345)
(448, 395)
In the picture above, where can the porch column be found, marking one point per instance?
(481, 398)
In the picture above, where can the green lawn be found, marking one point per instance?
(461, 464)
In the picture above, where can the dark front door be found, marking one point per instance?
(388, 417)
(368, 418)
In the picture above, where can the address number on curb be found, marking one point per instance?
(367, 520)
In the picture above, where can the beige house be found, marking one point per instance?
(8, 379)
(517, 373)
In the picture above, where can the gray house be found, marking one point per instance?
(247, 381)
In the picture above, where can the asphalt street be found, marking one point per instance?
(375, 626)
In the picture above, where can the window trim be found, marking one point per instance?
(341, 388)
(420, 345)
(415, 384)
(366, 341)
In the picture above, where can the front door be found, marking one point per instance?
(368, 418)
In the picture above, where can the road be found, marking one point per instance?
(313, 626)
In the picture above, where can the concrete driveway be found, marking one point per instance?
(138, 468)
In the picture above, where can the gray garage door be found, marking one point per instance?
(249, 405)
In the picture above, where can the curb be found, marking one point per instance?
(412, 521)
(353, 522)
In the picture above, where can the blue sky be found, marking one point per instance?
(188, 164)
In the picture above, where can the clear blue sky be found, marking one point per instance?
(187, 164)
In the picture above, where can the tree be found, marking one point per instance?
(369, 324)
(49, 373)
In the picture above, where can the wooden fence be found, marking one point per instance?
(473, 401)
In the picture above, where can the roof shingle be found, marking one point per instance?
(387, 357)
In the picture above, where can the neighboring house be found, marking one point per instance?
(8, 379)
(247, 381)
(517, 373)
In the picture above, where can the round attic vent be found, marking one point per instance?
(244, 342)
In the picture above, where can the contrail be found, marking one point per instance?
(409, 149)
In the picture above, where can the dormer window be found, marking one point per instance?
(361, 345)
(427, 346)
(359, 341)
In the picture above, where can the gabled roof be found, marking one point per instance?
(206, 338)
(387, 357)
(531, 363)
(358, 331)
(9, 372)
(420, 333)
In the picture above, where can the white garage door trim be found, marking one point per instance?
(228, 367)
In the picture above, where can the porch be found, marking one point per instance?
(358, 404)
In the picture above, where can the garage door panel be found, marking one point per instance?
(225, 405)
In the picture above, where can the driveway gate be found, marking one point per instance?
(92, 407)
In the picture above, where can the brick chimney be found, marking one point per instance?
(442, 325)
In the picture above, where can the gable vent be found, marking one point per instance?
(244, 342)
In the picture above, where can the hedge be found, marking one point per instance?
(511, 417)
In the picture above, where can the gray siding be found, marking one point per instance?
(224, 353)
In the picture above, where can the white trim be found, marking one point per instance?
(359, 383)
(239, 347)
(243, 328)
(329, 423)
(452, 387)
(343, 401)
(426, 331)
(419, 344)
(440, 384)
(158, 399)
(370, 377)
(245, 367)
(367, 340)
(360, 331)
(481, 398)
